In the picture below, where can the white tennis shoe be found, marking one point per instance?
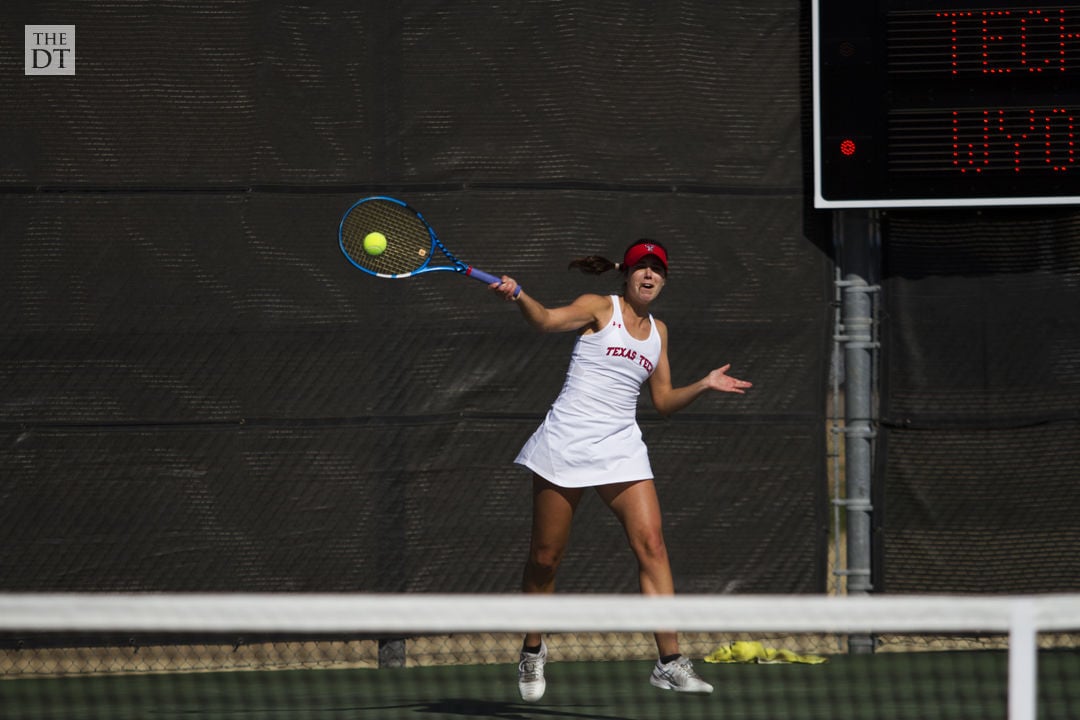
(678, 675)
(531, 681)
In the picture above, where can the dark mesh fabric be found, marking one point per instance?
(253, 92)
(256, 408)
(983, 510)
(982, 401)
(198, 392)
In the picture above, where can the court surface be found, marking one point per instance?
(886, 686)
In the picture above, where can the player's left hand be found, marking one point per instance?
(719, 380)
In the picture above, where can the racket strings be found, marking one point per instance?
(408, 240)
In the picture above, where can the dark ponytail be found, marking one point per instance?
(593, 265)
(597, 265)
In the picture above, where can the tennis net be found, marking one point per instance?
(453, 656)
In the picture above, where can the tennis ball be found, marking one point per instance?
(374, 243)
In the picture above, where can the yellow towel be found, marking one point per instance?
(747, 651)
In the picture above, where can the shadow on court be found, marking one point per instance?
(471, 708)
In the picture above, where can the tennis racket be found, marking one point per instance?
(387, 238)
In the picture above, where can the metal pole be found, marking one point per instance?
(391, 652)
(857, 238)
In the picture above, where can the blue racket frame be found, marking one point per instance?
(458, 266)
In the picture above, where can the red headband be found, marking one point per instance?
(640, 250)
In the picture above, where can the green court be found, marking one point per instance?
(885, 686)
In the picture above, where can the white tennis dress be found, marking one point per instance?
(590, 435)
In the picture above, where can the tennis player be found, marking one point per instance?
(590, 439)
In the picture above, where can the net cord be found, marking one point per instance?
(451, 613)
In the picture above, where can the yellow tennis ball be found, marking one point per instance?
(374, 243)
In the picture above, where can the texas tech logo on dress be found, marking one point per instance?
(631, 355)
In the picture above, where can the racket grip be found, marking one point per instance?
(487, 279)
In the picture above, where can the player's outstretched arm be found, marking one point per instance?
(585, 311)
(667, 399)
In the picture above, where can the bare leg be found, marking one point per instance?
(637, 507)
(553, 513)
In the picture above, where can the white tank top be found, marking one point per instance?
(610, 366)
(590, 435)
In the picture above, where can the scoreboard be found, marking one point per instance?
(945, 103)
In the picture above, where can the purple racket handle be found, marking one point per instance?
(487, 279)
